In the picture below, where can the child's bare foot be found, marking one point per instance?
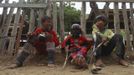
(95, 69)
(13, 66)
(123, 62)
(99, 63)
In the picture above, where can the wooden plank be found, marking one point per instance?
(2, 23)
(17, 5)
(95, 0)
(19, 34)
(132, 20)
(125, 17)
(41, 13)
(83, 17)
(14, 32)
(55, 16)
(32, 21)
(6, 29)
(61, 14)
(116, 18)
(49, 9)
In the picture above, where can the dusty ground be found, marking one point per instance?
(34, 67)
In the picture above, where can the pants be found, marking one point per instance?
(105, 50)
(26, 50)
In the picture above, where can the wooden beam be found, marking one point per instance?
(41, 13)
(49, 8)
(19, 34)
(61, 13)
(32, 21)
(116, 18)
(125, 17)
(18, 5)
(95, 0)
(55, 16)
(83, 17)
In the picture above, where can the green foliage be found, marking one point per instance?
(71, 15)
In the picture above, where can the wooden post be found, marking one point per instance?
(32, 21)
(61, 13)
(116, 18)
(125, 16)
(49, 8)
(2, 23)
(83, 17)
(4, 14)
(19, 33)
(55, 16)
(41, 14)
(132, 20)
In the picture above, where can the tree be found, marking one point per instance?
(71, 15)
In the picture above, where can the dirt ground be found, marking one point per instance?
(37, 66)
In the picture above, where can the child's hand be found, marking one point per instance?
(104, 39)
(29, 34)
(48, 35)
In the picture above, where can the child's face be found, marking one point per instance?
(100, 24)
(47, 25)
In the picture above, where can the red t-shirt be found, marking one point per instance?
(41, 45)
(82, 43)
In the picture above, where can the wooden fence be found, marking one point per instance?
(49, 7)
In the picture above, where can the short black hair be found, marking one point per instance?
(43, 19)
(101, 18)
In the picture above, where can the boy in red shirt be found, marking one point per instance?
(43, 39)
(77, 45)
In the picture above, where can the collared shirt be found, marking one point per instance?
(105, 33)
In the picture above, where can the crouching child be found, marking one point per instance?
(44, 40)
(77, 46)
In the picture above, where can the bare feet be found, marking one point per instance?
(13, 66)
(123, 62)
(95, 69)
(99, 63)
